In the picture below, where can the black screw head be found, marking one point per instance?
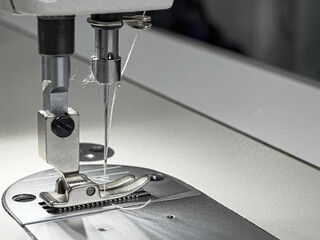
(63, 126)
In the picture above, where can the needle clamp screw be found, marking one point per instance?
(63, 126)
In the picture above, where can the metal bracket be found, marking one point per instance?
(62, 153)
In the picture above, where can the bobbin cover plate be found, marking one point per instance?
(76, 7)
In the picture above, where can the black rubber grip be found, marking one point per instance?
(56, 35)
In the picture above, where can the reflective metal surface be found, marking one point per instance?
(106, 63)
(77, 190)
(138, 22)
(93, 152)
(62, 153)
(176, 211)
(55, 83)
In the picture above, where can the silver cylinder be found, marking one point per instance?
(106, 64)
(55, 83)
(106, 42)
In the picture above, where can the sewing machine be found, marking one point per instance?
(75, 202)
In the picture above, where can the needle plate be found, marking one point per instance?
(175, 210)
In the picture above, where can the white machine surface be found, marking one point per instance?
(269, 188)
(67, 7)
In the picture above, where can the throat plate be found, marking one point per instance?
(167, 208)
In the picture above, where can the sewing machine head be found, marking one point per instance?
(58, 124)
(80, 7)
(79, 203)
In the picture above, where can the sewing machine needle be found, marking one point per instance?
(106, 126)
(110, 92)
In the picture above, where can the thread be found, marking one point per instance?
(108, 115)
(132, 208)
(90, 77)
(131, 49)
(129, 54)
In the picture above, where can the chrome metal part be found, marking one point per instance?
(90, 152)
(138, 22)
(62, 153)
(176, 211)
(136, 197)
(55, 83)
(106, 63)
(100, 24)
(106, 71)
(77, 189)
(72, 188)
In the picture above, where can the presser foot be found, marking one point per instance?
(77, 190)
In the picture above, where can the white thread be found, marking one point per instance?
(130, 52)
(131, 49)
(73, 77)
(90, 77)
(132, 208)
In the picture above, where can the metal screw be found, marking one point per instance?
(171, 216)
(91, 191)
(63, 126)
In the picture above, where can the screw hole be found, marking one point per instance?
(171, 217)
(24, 198)
(102, 229)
